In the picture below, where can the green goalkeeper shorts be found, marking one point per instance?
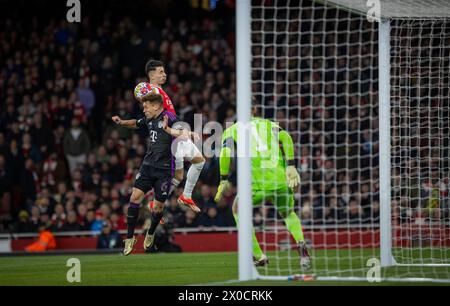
(282, 198)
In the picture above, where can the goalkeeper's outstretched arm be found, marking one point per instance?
(288, 146)
(292, 176)
(224, 161)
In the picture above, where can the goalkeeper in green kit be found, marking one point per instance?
(273, 178)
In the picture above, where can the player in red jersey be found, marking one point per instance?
(157, 77)
(186, 150)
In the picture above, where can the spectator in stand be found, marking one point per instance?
(5, 176)
(354, 211)
(53, 170)
(98, 222)
(41, 135)
(225, 213)
(211, 218)
(174, 214)
(206, 200)
(109, 238)
(190, 219)
(76, 145)
(24, 225)
(88, 221)
(85, 95)
(82, 211)
(59, 217)
(29, 150)
(71, 224)
(118, 222)
(29, 182)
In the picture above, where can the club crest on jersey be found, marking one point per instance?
(160, 124)
(150, 124)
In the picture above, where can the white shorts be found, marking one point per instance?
(186, 150)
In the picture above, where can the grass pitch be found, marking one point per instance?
(189, 269)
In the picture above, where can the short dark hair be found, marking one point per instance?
(152, 64)
(153, 98)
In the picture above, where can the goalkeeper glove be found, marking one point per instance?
(224, 185)
(292, 176)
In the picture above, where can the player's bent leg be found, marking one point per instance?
(156, 216)
(197, 163)
(176, 180)
(179, 166)
(198, 159)
(294, 227)
(178, 176)
(161, 187)
(132, 216)
(192, 154)
(284, 201)
(305, 258)
(137, 195)
(259, 258)
(151, 205)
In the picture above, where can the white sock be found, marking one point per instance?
(191, 179)
(174, 185)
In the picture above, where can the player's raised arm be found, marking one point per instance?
(287, 145)
(178, 131)
(130, 124)
(175, 130)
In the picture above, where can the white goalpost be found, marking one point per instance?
(384, 75)
(243, 86)
(367, 104)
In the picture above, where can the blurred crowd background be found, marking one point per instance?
(62, 160)
(65, 165)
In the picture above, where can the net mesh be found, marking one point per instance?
(315, 73)
(420, 140)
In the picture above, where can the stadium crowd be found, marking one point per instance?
(62, 160)
(64, 164)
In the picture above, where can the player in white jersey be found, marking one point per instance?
(186, 150)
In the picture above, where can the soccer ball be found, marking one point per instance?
(142, 89)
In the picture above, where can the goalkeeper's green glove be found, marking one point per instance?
(292, 176)
(224, 185)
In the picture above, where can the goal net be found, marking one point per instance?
(316, 71)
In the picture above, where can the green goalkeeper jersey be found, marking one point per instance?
(268, 164)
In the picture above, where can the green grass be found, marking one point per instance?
(189, 269)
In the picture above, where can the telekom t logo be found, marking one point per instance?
(153, 136)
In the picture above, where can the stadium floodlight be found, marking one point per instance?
(367, 104)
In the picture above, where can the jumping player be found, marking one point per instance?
(186, 149)
(156, 170)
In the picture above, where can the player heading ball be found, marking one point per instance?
(157, 168)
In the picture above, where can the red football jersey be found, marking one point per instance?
(167, 103)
